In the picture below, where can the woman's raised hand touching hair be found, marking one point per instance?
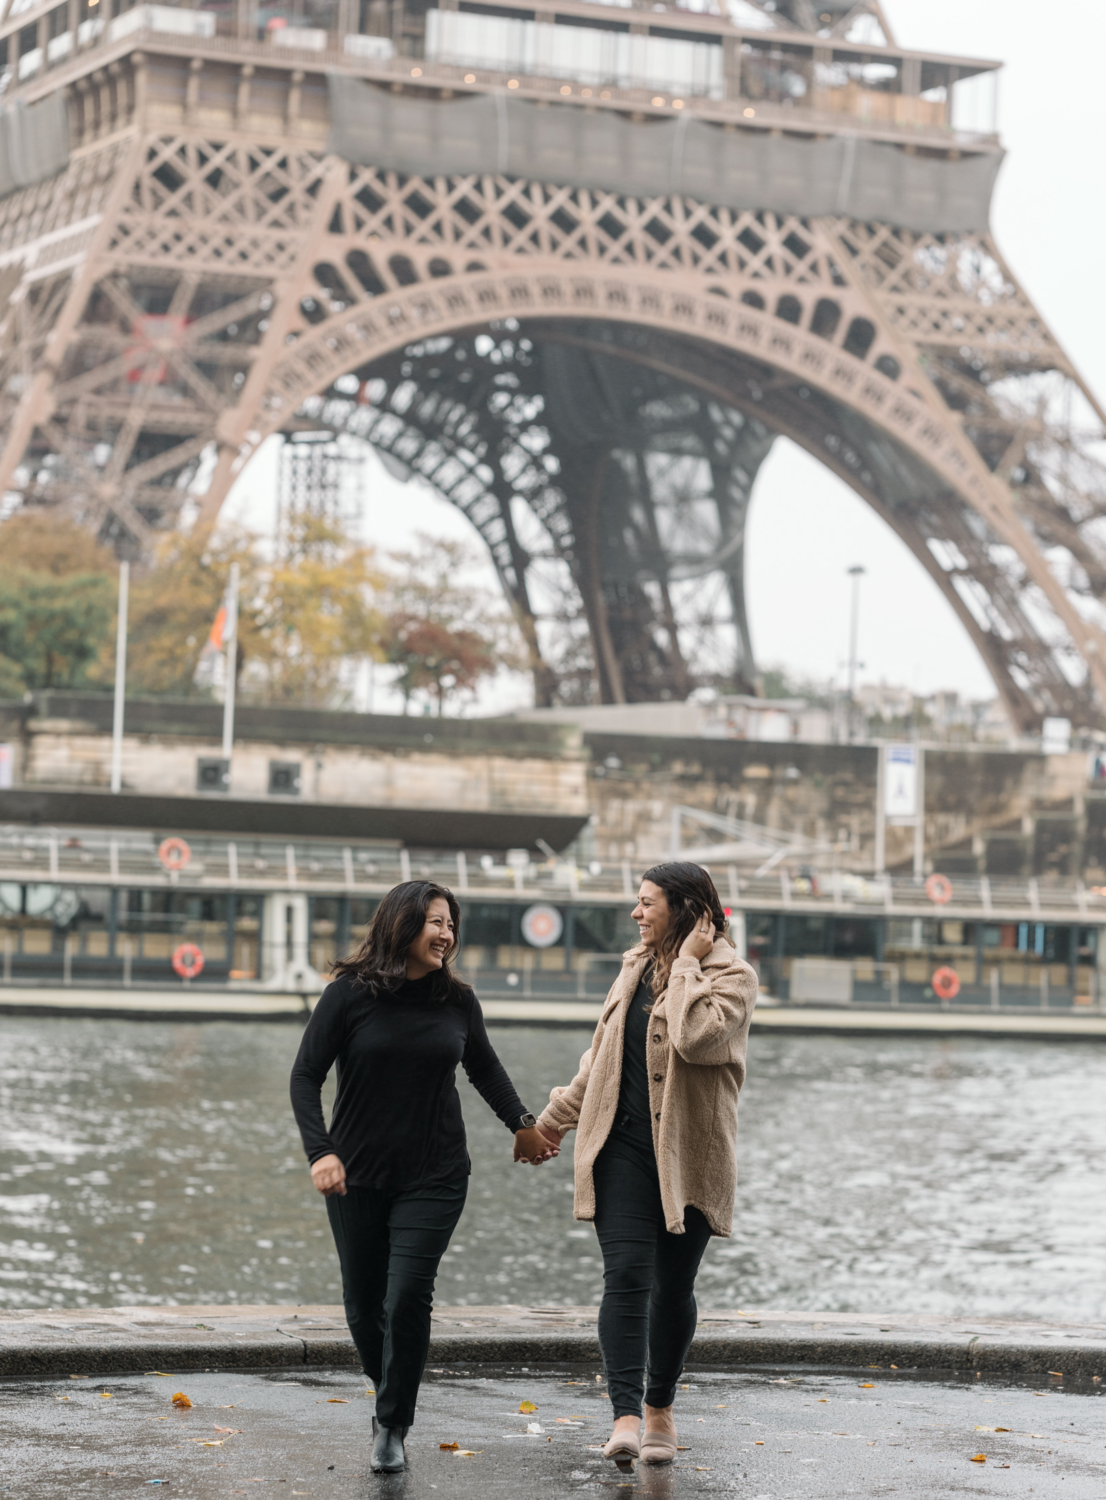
(700, 940)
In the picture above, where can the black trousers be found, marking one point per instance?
(389, 1246)
(648, 1313)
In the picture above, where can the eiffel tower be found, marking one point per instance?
(576, 266)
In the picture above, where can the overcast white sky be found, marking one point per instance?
(806, 527)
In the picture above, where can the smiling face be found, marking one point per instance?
(429, 949)
(652, 914)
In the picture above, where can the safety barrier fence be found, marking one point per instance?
(996, 985)
(145, 860)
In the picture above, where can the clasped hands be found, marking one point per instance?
(535, 1145)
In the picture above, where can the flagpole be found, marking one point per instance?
(120, 679)
(232, 666)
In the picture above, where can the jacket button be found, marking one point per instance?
(657, 1077)
(656, 1038)
(657, 1115)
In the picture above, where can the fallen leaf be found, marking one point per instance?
(227, 1429)
(182, 1402)
(88, 1377)
(161, 1374)
(105, 1395)
(527, 1407)
(979, 1458)
(450, 1447)
(336, 1401)
(700, 1470)
(61, 1398)
(468, 1453)
(208, 1442)
(866, 1385)
(1058, 1373)
(992, 1429)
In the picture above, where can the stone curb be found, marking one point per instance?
(34, 1359)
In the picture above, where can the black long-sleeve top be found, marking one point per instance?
(397, 1116)
(633, 1092)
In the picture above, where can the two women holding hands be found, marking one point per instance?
(654, 1101)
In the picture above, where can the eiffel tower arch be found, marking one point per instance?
(576, 269)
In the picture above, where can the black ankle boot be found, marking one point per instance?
(388, 1456)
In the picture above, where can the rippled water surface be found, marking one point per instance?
(157, 1163)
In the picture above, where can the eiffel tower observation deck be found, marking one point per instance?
(574, 264)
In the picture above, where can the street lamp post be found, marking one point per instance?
(856, 572)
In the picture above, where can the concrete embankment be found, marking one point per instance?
(180, 1003)
(99, 1341)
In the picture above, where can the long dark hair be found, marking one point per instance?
(690, 892)
(381, 960)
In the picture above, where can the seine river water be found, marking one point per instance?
(158, 1163)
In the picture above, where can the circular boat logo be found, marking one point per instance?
(542, 925)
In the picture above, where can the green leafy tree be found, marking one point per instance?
(52, 629)
(437, 660)
(314, 609)
(444, 635)
(57, 603)
(173, 605)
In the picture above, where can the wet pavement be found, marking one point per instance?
(771, 1435)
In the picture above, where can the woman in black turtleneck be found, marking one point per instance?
(394, 1166)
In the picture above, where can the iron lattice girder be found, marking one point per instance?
(284, 268)
(487, 420)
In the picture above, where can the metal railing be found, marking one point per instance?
(80, 857)
(874, 112)
(866, 985)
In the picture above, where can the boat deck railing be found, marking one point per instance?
(150, 860)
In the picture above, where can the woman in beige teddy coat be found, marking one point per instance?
(655, 1105)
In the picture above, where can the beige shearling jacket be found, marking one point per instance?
(698, 1032)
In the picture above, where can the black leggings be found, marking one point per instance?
(648, 1308)
(389, 1246)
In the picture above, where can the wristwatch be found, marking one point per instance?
(527, 1122)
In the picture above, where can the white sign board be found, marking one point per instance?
(1056, 736)
(900, 781)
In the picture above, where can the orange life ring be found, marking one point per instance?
(174, 853)
(188, 961)
(946, 983)
(939, 889)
